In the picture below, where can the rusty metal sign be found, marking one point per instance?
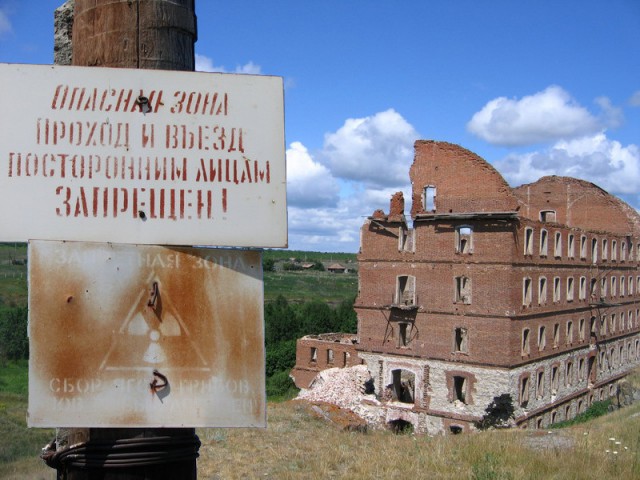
(141, 156)
(145, 336)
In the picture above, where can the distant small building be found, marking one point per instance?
(336, 268)
(307, 265)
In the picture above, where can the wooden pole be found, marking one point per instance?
(149, 34)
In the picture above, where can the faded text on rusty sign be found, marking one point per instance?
(145, 336)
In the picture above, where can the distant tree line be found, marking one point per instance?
(284, 323)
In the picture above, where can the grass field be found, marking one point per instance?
(295, 286)
(299, 443)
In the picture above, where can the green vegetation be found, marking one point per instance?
(284, 323)
(17, 440)
(597, 409)
(13, 274)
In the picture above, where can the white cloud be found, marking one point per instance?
(611, 116)
(634, 101)
(205, 64)
(309, 183)
(542, 117)
(594, 158)
(375, 150)
(364, 163)
(5, 23)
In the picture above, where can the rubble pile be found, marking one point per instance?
(345, 388)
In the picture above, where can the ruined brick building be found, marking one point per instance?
(532, 291)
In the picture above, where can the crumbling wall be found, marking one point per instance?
(577, 203)
(463, 181)
(315, 353)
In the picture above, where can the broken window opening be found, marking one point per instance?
(570, 245)
(464, 239)
(542, 290)
(330, 356)
(554, 380)
(556, 335)
(526, 291)
(570, 289)
(623, 251)
(569, 332)
(406, 290)
(603, 287)
(455, 429)
(583, 246)
(605, 248)
(403, 386)
(547, 215)
(592, 288)
(557, 245)
(614, 286)
(540, 385)
(314, 354)
(544, 244)
(429, 198)
(569, 373)
(406, 239)
(594, 250)
(463, 290)
(461, 341)
(524, 391)
(581, 329)
(614, 250)
(404, 335)
(582, 289)
(528, 241)
(460, 389)
(542, 338)
(556, 289)
(400, 427)
(525, 341)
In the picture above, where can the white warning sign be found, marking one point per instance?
(131, 336)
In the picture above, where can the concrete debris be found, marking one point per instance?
(345, 388)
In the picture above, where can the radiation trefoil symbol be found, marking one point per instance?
(153, 335)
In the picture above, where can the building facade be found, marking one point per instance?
(530, 291)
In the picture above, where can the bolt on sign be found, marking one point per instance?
(145, 336)
(142, 156)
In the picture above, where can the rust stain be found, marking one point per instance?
(96, 336)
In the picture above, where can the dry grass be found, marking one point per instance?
(298, 445)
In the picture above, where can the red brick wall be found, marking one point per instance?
(464, 182)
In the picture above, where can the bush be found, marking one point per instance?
(280, 385)
(498, 413)
(291, 267)
(597, 409)
(14, 343)
(268, 265)
(280, 356)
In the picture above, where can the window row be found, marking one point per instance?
(592, 290)
(605, 251)
(608, 324)
(548, 381)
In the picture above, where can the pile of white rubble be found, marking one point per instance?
(345, 387)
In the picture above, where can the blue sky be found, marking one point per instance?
(536, 87)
